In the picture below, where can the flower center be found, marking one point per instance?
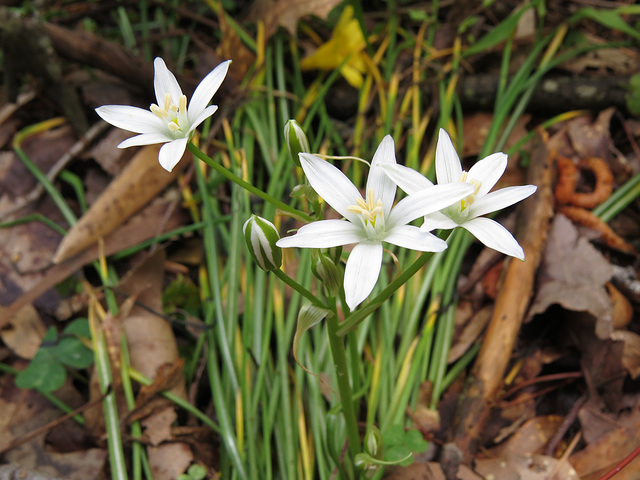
(174, 115)
(468, 200)
(459, 212)
(371, 211)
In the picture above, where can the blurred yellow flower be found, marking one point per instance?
(346, 42)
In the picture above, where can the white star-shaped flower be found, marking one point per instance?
(468, 212)
(169, 121)
(371, 220)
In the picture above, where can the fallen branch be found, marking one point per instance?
(510, 308)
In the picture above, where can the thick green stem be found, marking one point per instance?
(344, 385)
(247, 186)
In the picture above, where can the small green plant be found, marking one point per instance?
(46, 371)
(195, 472)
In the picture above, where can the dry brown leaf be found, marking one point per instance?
(573, 274)
(137, 185)
(532, 437)
(139, 228)
(590, 138)
(630, 350)
(169, 460)
(151, 346)
(599, 457)
(427, 471)
(621, 61)
(287, 13)
(622, 310)
(26, 411)
(149, 336)
(525, 467)
(24, 333)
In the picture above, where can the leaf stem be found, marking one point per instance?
(299, 288)
(247, 186)
(338, 353)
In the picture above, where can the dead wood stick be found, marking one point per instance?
(45, 428)
(553, 94)
(510, 308)
(89, 49)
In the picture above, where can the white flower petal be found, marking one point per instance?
(206, 113)
(165, 82)
(500, 199)
(488, 171)
(331, 184)
(362, 272)
(495, 236)
(144, 139)
(323, 234)
(448, 167)
(408, 236)
(427, 201)
(129, 118)
(408, 179)
(206, 90)
(437, 220)
(171, 153)
(378, 181)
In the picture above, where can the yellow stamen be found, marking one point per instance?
(167, 101)
(158, 111)
(468, 200)
(182, 106)
(371, 209)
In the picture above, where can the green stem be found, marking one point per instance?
(338, 353)
(299, 288)
(247, 186)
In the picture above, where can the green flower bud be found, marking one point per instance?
(373, 442)
(296, 140)
(334, 253)
(261, 236)
(324, 268)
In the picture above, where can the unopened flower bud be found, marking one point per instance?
(334, 253)
(325, 269)
(373, 442)
(296, 140)
(261, 236)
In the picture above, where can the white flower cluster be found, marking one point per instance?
(458, 200)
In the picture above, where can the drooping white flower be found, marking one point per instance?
(371, 220)
(467, 213)
(169, 121)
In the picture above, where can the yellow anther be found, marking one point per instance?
(174, 127)
(370, 210)
(167, 101)
(477, 184)
(183, 104)
(158, 111)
